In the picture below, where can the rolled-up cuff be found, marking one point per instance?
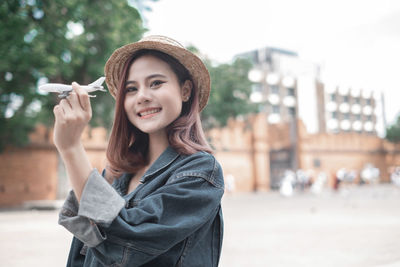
(100, 204)
(99, 201)
(81, 227)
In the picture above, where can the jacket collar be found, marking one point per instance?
(163, 161)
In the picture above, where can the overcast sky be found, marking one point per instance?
(357, 42)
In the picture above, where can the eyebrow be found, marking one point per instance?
(148, 78)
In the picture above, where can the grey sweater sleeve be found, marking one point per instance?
(100, 204)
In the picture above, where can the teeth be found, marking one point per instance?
(151, 111)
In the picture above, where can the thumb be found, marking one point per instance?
(83, 97)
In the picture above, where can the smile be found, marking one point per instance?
(149, 112)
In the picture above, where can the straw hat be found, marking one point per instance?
(197, 69)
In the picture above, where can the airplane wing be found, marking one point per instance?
(97, 82)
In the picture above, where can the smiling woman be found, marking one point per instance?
(163, 207)
(155, 88)
(155, 81)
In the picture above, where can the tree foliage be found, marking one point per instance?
(230, 93)
(70, 40)
(56, 41)
(393, 132)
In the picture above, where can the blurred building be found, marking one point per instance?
(273, 83)
(291, 88)
(255, 154)
(290, 91)
(342, 109)
(277, 77)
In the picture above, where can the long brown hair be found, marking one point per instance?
(128, 146)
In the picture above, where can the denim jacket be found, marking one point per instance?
(173, 217)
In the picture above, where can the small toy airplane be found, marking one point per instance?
(64, 90)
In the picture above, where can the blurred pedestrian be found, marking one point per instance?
(288, 183)
(230, 183)
(339, 176)
(395, 176)
(160, 202)
(370, 174)
(318, 186)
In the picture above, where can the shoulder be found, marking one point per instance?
(203, 165)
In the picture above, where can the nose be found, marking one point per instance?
(143, 95)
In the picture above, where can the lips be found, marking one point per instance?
(149, 111)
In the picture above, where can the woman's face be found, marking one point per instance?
(154, 96)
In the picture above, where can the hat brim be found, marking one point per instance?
(198, 71)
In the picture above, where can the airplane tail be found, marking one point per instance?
(98, 82)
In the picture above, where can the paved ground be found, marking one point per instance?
(358, 226)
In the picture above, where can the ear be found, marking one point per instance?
(186, 90)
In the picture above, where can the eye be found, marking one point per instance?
(131, 89)
(156, 83)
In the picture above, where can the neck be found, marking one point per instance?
(158, 142)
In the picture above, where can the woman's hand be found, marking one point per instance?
(72, 115)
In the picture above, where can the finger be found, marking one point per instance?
(66, 106)
(83, 97)
(58, 114)
(74, 101)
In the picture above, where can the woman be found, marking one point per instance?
(163, 205)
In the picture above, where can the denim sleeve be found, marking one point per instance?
(99, 205)
(152, 225)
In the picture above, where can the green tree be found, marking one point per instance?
(393, 132)
(57, 41)
(230, 93)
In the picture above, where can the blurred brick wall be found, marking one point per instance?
(391, 153)
(231, 148)
(242, 148)
(36, 173)
(347, 150)
(28, 174)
